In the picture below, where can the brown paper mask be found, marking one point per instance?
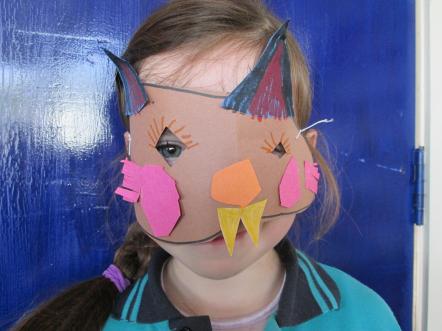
(215, 139)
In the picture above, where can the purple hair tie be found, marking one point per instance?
(114, 274)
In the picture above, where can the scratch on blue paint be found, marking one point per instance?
(399, 170)
(65, 36)
(101, 207)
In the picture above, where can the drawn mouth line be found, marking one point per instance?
(215, 235)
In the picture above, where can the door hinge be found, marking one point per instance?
(419, 186)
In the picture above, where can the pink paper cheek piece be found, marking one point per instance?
(128, 195)
(157, 193)
(312, 176)
(159, 200)
(289, 189)
(130, 188)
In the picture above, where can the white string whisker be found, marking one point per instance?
(325, 120)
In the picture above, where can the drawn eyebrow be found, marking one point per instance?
(158, 127)
(178, 89)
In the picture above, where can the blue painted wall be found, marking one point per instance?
(59, 132)
(361, 55)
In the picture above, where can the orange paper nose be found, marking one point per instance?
(236, 184)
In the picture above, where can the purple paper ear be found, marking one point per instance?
(267, 90)
(135, 96)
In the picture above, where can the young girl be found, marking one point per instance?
(216, 100)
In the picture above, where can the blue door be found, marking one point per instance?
(60, 132)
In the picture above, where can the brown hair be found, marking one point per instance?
(182, 23)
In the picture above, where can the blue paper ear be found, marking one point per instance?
(267, 90)
(135, 96)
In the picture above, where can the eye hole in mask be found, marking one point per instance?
(278, 147)
(279, 150)
(170, 146)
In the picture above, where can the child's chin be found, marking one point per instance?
(212, 260)
(227, 267)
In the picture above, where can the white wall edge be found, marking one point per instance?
(432, 103)
(420, 263)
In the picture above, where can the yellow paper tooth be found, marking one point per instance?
(229, 222)
(251, 218)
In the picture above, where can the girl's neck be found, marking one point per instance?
(240, 295)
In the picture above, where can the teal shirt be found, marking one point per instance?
(315, 297)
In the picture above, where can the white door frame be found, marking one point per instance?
(427, 298)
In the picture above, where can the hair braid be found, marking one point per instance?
(87, 305)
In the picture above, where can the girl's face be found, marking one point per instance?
(193, 138)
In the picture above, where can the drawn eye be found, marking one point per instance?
(169, 146)
(279, 150)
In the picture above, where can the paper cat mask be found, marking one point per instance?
(236, 157)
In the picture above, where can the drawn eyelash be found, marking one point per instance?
(157, 128)
(270, 145)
